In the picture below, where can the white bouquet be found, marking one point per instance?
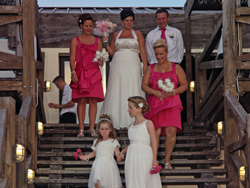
(166, 85)
(103, 55)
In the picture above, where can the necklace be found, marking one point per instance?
(162, 71)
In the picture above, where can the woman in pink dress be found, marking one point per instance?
(165, 107)
(86, 78)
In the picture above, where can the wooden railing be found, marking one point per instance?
(239, 149)
(15, 129)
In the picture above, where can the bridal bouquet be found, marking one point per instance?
(77, 153)
(103, 55)
(166, 85)
(103, 28)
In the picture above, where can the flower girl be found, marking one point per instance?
(141, 165)
(104, 172)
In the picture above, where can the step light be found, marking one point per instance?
(242, 173)
(30, 176)
(220, 128)
(46, 86)
(40, 129)
(192, 86)
(19, 153)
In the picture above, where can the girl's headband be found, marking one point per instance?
(104, 119)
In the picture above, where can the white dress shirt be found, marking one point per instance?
(67, 93)
(174, 41)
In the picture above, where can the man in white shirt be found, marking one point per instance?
(67, 106)
(172, 36)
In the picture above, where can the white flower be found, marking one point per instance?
(95, 60)
(97, 52)
(160, 82)
(171, 35)
(140, 105)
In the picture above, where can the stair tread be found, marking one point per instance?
(120, 138)
(173, 162)
(162, 172)
(70, 154)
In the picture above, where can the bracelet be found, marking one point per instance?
(87, 158)
(72, 72)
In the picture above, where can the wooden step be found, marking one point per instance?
(173, 172)
(88, 146)
(91, 139)
(79, 163)
(174, 155)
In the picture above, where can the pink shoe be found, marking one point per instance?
(155, 170)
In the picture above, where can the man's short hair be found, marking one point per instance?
(58, 78)
(161, 10)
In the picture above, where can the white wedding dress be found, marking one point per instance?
(124, 81)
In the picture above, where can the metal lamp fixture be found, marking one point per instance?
(220, 128)
(242, 173)
(192, 86)
(30, 176)
(19, 153)
(40, 128)
(46, 86)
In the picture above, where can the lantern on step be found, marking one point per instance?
(46, 86)
(30, 176)
(19, 153)
(242, 173)
(40, 129)
(192, 86)
(220, 128)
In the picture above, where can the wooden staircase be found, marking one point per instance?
(195, 158)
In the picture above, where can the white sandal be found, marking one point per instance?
(80, 134)
(92, 133)
(168, 167)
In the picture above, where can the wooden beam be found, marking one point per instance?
(3, 128)
(211, 104)
(237, 144)
(189, 69)
(11, 65)
(10, 19)
(243, 19)
(242, 11)
(212, 42)
(244, 57)
(212, 64)
(248, 145)
(237, 162)
(229, 56)
(11, 9)
(209, 92)
(244, 86)
(188, 8)
(238, 111)
(11, 85)
(26, 107)
(10, 57)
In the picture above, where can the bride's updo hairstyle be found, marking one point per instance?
(139, 102)
(126, 13)
(161, 43)
(83, 18)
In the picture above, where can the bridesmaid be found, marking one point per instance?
(86, 78)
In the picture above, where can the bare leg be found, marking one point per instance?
(81, 112)
(97, 186)
(157, 134)
(92, 112)
(169, 142)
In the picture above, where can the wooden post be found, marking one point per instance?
(189, 68)
(229, 45)
(248, 148)
(9, 163)
(29, 72)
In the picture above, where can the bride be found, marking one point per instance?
(125, 70)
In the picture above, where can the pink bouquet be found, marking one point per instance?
(103, 28)
(77, 153)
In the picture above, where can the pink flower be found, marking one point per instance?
(78, 150)
(104, 27)
(76, 155)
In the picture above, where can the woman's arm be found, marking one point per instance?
(153, 141)
(111, 48)
(73, 46)
(142, 50)
(87, 157)
(183, 85)
(100, 49)
(145, 85)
